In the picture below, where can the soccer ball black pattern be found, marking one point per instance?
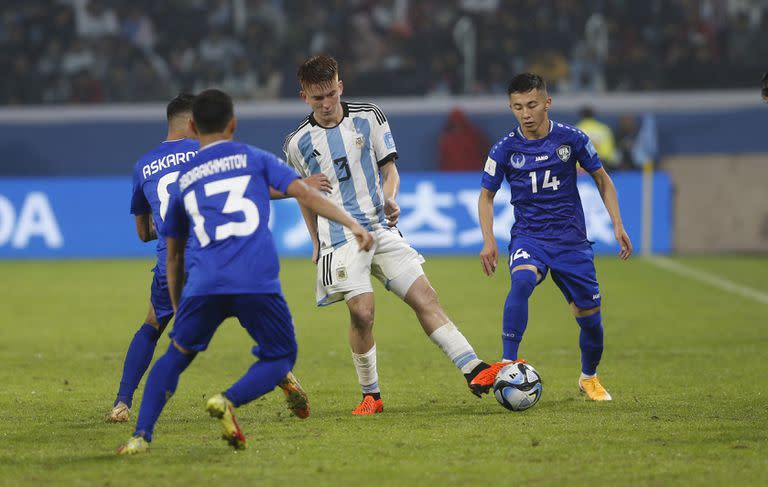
(517, 386)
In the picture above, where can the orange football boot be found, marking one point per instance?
(483, 381)
(369, 405)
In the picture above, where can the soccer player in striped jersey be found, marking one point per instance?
(154, 172)
(538, 159)
(351, 143)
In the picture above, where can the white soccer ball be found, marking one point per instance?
(517, 386)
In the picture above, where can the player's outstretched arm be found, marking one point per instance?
(145, 229)
(174, 262)
(318, 181)
(489, 255)
(390, 185)
(611, 201)
(315, 201)
(310, 219)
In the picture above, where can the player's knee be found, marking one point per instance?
(362, 318)
(162, 322)
(185, 351)
(523, 284)
(584, 312)
(152, 321)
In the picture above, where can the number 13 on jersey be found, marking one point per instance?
(553, 183)
(236, 202)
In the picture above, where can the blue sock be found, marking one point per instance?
(137, 359)
(262, 377)
(590, 342)
(516, 312)
(161, 384)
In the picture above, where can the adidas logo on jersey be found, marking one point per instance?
(542, 157)
(315, 153)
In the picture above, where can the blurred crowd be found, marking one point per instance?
(95, 51)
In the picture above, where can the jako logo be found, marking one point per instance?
(35, 219)
(542, 157)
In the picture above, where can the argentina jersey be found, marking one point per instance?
(154, 172)
(542, 177)
(349, 155)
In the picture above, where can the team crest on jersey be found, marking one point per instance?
(341, 274)
(359, 141)
(517, 160)
(564, 152)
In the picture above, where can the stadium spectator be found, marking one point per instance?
(243, 83)
(86, 88)
(626, 137)
(765, 87)
(462, 146)
(137, 28)
(601, 135)
(220, 50)
(77, 58)
(403, 47)
(94, 20)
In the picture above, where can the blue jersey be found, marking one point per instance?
(152, 176)
(542, 179)
(221, 203)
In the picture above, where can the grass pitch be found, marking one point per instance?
(684, 360)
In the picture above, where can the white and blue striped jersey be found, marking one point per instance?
(349, 155)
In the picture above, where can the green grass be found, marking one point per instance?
(685, 362)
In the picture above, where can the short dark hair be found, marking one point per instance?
(525, 82)
(212, 110)
(318, 70)
(179, 105)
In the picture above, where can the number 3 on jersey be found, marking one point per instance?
(553, 183)
(236, 202)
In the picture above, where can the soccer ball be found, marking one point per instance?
(517, 386)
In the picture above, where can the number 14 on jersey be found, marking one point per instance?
(548, 183)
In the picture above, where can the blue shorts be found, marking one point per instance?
(573, 269)
(161, 299)
(264, 316)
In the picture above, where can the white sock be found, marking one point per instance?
(585, 376)
(456, 347)
(365, 365)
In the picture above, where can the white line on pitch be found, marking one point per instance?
(705, 277)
